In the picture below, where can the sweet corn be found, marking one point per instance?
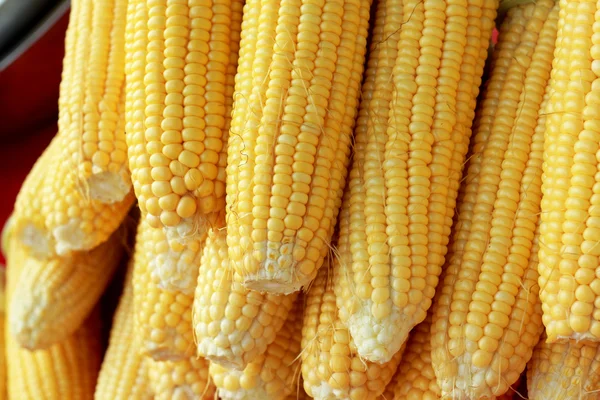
(331, 366)
(56, 295)
(124, 372)
(569, 252)
(296, 93)
(273, 375)
(61, 372)
(487, 317)
(164, 282)
(567, 370)
(181, 63)
(411, 140)
(182, 379)
(81, 191)
(233, 325)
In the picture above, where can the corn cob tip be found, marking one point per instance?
(109, 187)
(218, 356)
(26, 331)
(41, 245)
(276, 275)
(378, 340)
(173, 272)
(273, 285)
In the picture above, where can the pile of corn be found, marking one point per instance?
(314, 199)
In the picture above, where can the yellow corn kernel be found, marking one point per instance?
(186, 379)
(487, 316)
(164, 282)
(181, 63)
(273, 374)
(569, 252)
(295, 101)
(233, 325)
(331, 366)
(411, 141)
(124, 371)
(567, 370)
(56, 295)
(61, 372)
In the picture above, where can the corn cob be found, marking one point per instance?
(415, 378)
(124, 372)
(56, 295)
(72, 372)
(411, 140)
(295, 101)
(164, 282)
(27, 220)
(81, 192)
(569, 253)
(270, 376)
(182, 59)
(183, 379)
(61, 372)
(233, 325)
(92, 98)
(331, 367)
(567, 370)
(487, 318)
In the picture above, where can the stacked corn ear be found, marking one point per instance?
(55, 295)
(124, 371)
(66, 370)
(181, 62)
(79, 191)
(487, 316)
(164, 282)
(411, 140)
(569, 253)
(296, 96)
(567, 370)
(331, 366)
(233, 325)
(272, 375)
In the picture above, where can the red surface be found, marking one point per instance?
(29, 86)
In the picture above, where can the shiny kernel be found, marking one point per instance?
(168, 202)
(189, 159)
(193, 179)
(186, 207)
